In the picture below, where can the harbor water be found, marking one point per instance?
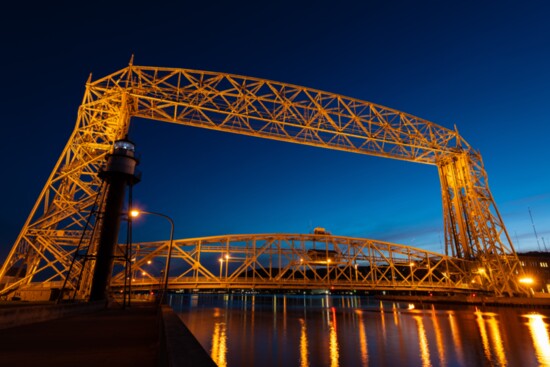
(348, 330)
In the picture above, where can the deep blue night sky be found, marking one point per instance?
(483, 66)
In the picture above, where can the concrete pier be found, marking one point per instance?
(143, 335)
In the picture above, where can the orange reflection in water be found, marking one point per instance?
(363, 340)
(483, 333)
(539, 332)
(456, 338)
(423, 341)
(383, 320)
(491, 337)
(438, 338)
(333, 340)
(304, 361)
(395, 315)
(496, 339)
(219, 345)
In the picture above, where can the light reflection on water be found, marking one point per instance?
(294, 330)
(438, 338)
(423, 342)
(304, 362)
(219, 345)
(490, 332)
(333, 346)
(362, 339)
(457, 341)
(539, 332)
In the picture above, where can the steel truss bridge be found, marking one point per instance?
(60, 237)
(299, 261)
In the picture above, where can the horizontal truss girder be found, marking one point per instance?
(298, 261)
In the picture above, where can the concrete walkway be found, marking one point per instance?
(110, 337)
(142, 335)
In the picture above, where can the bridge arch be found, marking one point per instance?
(60, 219)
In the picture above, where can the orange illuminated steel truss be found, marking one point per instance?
(299, 262)
(62, 219)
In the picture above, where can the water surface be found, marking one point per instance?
(330, 330)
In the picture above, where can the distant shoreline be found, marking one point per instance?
(533, 302)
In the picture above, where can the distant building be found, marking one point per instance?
(536, 264)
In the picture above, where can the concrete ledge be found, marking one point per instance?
(178, 346)
(469, 300)
(23, 315)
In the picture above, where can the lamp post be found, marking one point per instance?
(328, 270)
(412, 265)
(221, 264)
(135, 213)
(226, 265)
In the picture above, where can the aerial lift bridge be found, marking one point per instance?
(67, 214)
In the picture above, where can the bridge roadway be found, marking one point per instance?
(141, 335)
(198, 284)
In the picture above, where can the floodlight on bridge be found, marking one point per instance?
(526, 280)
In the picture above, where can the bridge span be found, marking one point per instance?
(298, 262)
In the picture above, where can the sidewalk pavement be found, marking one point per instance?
(109, 337)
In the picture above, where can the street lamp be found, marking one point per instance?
(328, 270)
(134, 213)
(412, 267)
(226, 264)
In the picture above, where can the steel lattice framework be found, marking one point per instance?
(299, 261)
(62, 223)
